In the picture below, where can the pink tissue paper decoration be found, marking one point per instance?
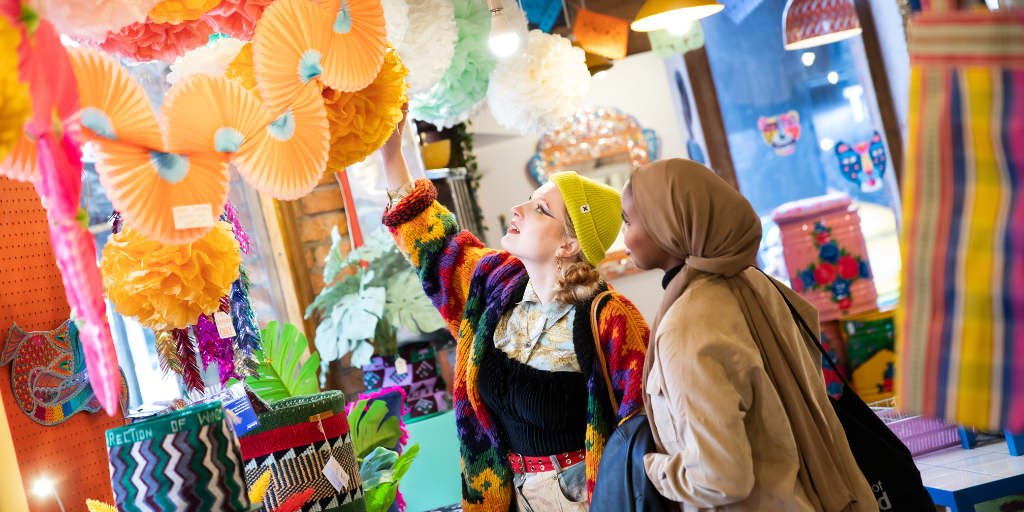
(237, 18)
(158, 41)
(47, 69)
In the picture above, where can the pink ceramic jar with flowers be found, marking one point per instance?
(826, 256)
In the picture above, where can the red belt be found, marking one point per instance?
(522, 464)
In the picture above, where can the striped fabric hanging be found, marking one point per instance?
(960, 341)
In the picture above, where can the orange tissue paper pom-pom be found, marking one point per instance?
(168, 286)
(158, 41)
(237, 18)
(361, 121)
(177, 11)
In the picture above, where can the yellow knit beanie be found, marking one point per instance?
(595, 210)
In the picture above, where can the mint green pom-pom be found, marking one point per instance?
(464, 84)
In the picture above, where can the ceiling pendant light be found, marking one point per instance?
(595, 63)
(673, 14)
(503, 40)
(809, 23)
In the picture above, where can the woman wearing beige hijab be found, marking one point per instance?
(735, 394)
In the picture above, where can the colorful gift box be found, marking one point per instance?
(293, 445)
(185, 460)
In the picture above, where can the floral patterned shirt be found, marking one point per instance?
(539, 335)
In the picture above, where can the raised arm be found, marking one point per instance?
(426, 232)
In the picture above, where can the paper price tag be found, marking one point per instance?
(224, 327)
(193, 216)
(335, 474)
(401, 367)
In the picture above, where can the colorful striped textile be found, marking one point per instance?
(294, 442)
(183, 461)
(960, 323)
(472, 287)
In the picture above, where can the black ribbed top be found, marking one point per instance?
(541, 413)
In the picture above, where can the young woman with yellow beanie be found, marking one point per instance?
(532, 409)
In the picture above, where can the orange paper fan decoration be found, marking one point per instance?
(146, 185)
(204, 113)
(113, 104)
(355, 44)
(21, 163)
(287, 158)
(288, 50)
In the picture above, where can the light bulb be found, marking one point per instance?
(680, 27)
(807, 58)
(600, 74)
(504, 41)
(833, 77)
(43, 487)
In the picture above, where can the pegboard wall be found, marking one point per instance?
(73, 455)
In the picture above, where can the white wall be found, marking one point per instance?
(638, 86)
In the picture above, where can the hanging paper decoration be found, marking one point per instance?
(780, 132)
(190, 375)
(21, 162)
(177, 11)
(665, 44)
(93, 19)
(242, 71)
(288, 157)
(464, 84)
(157, 41)
(54, 126)
(169, 286)
(542, 12)
(211, 59)
(541, 88)
(167, 193)
(604, 35)
(429, 44)
(361, 121)
(209, 113)
(167, 353)
(340, 44)
(14, 103)
(236, 18)
(48, 377)
(396, 20)
(863, 163)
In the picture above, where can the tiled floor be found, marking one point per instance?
(955, 468)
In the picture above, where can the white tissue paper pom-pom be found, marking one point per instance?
(210, 59)
(92, 19)
(396, 20)
(539, 89)
(429, 43)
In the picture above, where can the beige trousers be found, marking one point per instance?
(559, 490)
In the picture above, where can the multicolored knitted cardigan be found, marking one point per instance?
(473, 286)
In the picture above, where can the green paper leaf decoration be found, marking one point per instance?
(370, 430)
(382, 494)
(280, 374)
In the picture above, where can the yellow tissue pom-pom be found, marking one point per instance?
(15, 106)
(361, 121)
(169, 286)
(242, 70)
(177, 11)
(99, 506)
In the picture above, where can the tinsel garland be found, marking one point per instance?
(189, 362)
(213, 348)
(167, 353)
(243, 316)
(231, 215)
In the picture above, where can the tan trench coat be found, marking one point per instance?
(728, 444)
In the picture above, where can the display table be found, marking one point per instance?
(434, 478)
(959, 479)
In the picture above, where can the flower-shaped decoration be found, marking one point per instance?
(836, 270)
(177, 11)
(169, 286)
(158, 41)
(236, 18)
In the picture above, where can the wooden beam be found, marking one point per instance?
(293, 307)
(883, 92)
(698, 67)
(289, 212)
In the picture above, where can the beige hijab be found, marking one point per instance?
(697, 217)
